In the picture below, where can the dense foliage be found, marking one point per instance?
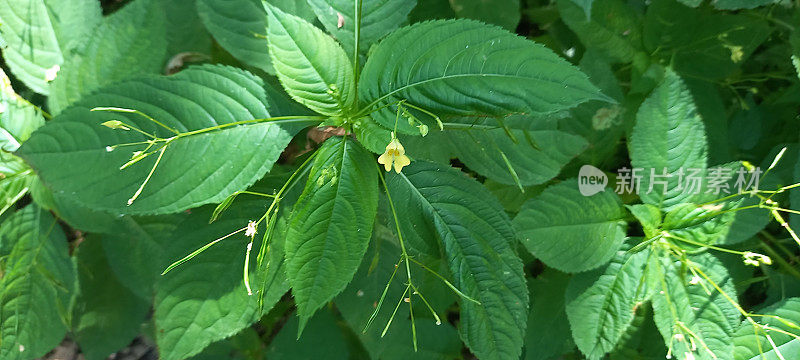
(395, 179)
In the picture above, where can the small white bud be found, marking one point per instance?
(251, 229)
(50, 74)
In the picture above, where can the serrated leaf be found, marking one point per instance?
(678, 303)
(569, 231)
(478, 70)
(106, 315)
(373, 136)
(505, 13)
(601, 304)
(331, 224)
(704, 224)
(130, 42)
(751, 343)
(39, 34)
(311, 66)
(668, 135)
(233, 157)
(378, 18)
(205, 299)
(612, 29)
(478, 243)
(38, 282)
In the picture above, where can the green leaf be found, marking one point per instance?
(324, 337)
(586, 5)
(235, 25)
(796, 62)
(331, 224)
(378, 18)
(478, 70)
(186, 35)
(510, 196)
(39, 35)
(548, 328)
(373, 136)
(435, 342)
(16, 181)
(649, 216)
(76, 215)
(130, 42)
(705, 224)
(712, 108)
(198, 98)
(135, 251)
(612, 29)
(478, 242)
(38, 282)
(569, 231)
(531, 157)
(601, 304)
(641, 341)
(668, 135)
(205, 299)
(312, 67)
(677, 303)
(106, 315)
(602, 125)
(18, 119)
(240, 26)
(519, 151)
(751, 343)
(717, 45)
(505, 13)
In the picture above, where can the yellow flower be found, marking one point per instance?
(394, 154)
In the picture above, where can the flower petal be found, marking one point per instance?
(399, 162)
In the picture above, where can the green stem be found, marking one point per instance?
(279, 119)
(697, 243)
(357, 36)
(396, 223)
